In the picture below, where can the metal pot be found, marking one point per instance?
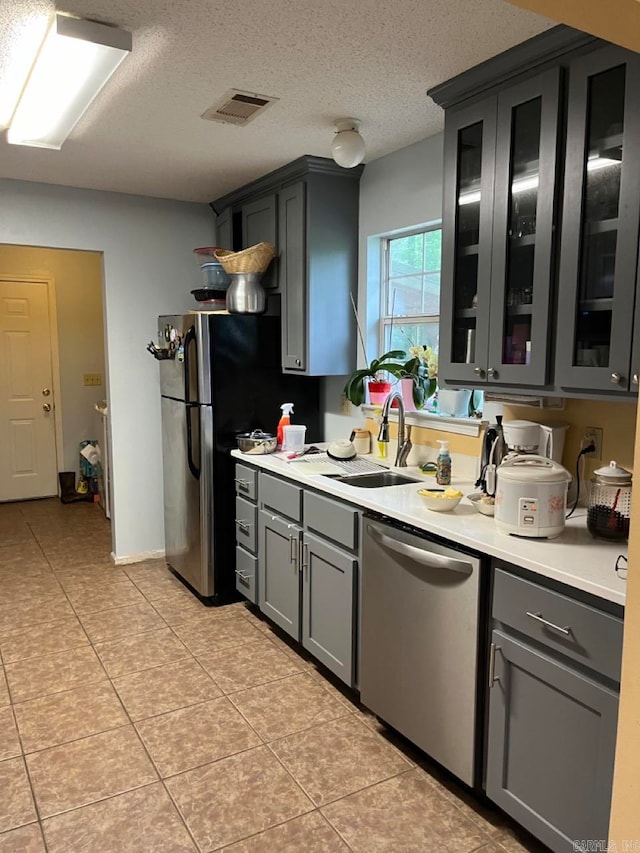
(257, 442)
(245, 294)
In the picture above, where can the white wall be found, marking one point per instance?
(399, 191)
(148, 270)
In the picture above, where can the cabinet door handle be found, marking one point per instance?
(242, 524)
(243, 577)
(478, 371)
(539, 618)
(635, 379)
(616, 378)
(293, 549)
(242, 484)
(492, 372)
(492, 664)
(305, 559)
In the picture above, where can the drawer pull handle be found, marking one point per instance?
(242, 484)
(539, 618)
(243, 525)
(243, 577)
(492, 664)
(305, 560)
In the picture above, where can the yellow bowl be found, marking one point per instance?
(439, 501)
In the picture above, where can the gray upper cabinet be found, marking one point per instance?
(260, 225)
(224, 229)
(497, 267)
(599, 246)
(309, 209)
(551, 745)
(279, 572)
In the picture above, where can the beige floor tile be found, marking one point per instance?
(16, 801)
(61, 717)
(27, 839)
(516, 840)
(121, 622)
(307, 834)
(337, 758)
(35, 677)
(85, 771)
(45, 639)
(19, 589)
(145, 569)
(180, 606)
(165, 688)
(216, 633)
(60, 561)
(33, 611)
(163, 585)
(141, 651)
(4, 690)
(248, 665)
(236, 797)
(141, 821)
(9, 740)
(15, 531)
(94, 577)
(406, 815)
(94, 599)
(199, 734)
(289, 705)
(25, 556)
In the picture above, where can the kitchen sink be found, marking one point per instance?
(375, 480)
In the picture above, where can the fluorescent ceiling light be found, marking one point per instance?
(75, 61)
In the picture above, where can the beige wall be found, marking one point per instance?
(78, 286)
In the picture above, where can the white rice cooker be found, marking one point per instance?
(531, 496)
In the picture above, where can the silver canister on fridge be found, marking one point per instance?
(245, 294)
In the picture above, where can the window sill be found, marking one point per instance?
(427, 420)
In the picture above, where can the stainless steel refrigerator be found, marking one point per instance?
(222, 376)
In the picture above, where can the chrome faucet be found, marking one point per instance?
(404, 442)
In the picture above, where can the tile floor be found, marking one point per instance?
(133, 718)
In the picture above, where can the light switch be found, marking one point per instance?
(93, 379)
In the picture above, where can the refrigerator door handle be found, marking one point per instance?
(189, 407)
(188, 338)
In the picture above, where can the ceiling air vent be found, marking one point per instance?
(238, 107)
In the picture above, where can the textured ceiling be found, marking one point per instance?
(324, 59)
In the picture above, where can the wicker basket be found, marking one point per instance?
(254, 259)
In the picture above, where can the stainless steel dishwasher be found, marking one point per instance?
(419, 641)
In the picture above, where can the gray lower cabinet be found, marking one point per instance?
(551, 745)
(279, 571)
(246, 526)
(329, 579)
(554, 670)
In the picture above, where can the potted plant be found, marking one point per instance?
(421, 371)
(354, 389)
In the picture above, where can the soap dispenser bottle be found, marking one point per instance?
(285, 420)
(443, 463)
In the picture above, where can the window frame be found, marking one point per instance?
(385, 320)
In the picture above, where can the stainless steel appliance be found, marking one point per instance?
(220, 375)
(419, 655)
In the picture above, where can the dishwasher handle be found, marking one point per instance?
(420, 555)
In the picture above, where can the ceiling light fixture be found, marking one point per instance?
(347, 148)
(75, 61)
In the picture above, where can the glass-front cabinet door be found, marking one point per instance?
(597, 277)
(469, 160)
(523, 231)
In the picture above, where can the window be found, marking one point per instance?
(410, 309)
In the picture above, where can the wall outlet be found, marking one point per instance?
(345, 405)
(93, 379)
(593, 435)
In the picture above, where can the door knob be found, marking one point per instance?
(46, 392)
(635, 378)
(492, 372)
(478, 371)
(616, 378)
(46, 407)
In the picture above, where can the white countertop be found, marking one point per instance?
(575, 558)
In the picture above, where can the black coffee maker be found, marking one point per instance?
(493, 452)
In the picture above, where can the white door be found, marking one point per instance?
(28, 467)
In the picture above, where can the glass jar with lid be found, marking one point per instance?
(609, 510)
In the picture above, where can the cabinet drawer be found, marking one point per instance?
(247, 574)
(246, 524)
(331, 519)
(246, 482)
(592, 638)
(280, 496)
